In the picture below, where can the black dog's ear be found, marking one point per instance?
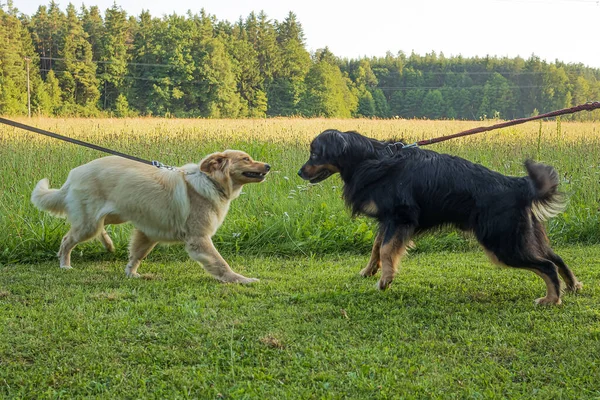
(214, 162)
(342, 139)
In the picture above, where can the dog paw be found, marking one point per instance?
(237, 278)
(575, 287)
(66, 267)
(548, 301)
(131, 274)
(383, 284)
(246, 281)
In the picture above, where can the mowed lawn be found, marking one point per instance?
(451, 326)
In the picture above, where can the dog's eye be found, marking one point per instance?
(246, 159)
(313, 155)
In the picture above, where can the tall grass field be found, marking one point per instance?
(284, 215)
(451, 326)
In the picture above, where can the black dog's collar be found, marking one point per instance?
(393, 148)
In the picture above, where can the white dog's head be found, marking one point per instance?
(235, 165)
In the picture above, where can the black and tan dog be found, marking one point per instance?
(410, 190)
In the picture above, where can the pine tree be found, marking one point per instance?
(15, 48)
(146, 52)
(269, 58)
(78, 83)
(52, 86)
(250, 83)
(221, 99)
(93, 25)
(288, 82)
(433, 104)
(382, 109)
(364, 80)
(328, 92)
(498, 98)
(114, 55)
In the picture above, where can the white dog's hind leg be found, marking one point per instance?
(203, 251)
(139, 247)
(76, 234)
(107, 241)
(64, 254)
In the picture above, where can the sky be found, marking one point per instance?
(564, 30)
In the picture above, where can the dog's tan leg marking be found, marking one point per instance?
(552, 296)
(203, 251)
(375, 261)
(390, 255)
(139, 247)
(107, 241)
(577, 286)
(573, 284)
(493, 258)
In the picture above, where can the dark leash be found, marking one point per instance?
(82, 143)
(394, 147)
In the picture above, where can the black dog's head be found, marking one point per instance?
(334, 151)
(326, 151)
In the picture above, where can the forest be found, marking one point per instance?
(90, 63)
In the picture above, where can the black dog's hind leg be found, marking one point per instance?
(548, 271)
(544, 249)
(375, 261)
(545, 269)
(565, 272)
(525, 258)
(393, 246)
(518, 240)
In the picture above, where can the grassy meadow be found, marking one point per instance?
(451, 326)
(284, 215)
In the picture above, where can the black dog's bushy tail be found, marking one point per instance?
(548, 202)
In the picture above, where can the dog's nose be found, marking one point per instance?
(300, 172)
(267, 167)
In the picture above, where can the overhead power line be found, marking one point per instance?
(435, 73)
(473, 87)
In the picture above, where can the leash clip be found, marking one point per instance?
(392, 148)
(395, 148)
(160, 165)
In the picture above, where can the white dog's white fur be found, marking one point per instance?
(185, 205)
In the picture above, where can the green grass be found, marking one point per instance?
(451, 326)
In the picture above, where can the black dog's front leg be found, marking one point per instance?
(393, 247)
(375, 261)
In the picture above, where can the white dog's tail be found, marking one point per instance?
(51, 200)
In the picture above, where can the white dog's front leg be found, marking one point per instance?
(203, 251)
(139, 247)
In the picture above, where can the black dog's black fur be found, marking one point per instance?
(415, 190)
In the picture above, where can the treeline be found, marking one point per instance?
(88, 63)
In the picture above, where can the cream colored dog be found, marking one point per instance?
(187, 205)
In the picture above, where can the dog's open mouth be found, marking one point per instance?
(254, 175)
(321, 176)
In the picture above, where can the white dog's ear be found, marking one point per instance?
(214, 162)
